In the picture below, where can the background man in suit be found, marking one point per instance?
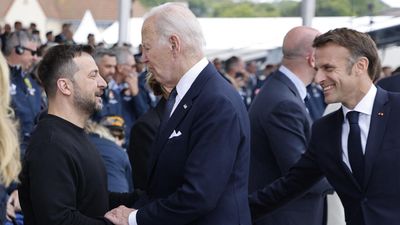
(198, 170)
(359, 158)
(281, 129)
(144, 132)
(391, 83)
(107, 62)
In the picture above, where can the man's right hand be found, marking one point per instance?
(119, 215)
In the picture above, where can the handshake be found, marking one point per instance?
(119, 215)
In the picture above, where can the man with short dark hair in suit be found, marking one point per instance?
(356, 147)
(281, 128)
(199, 164)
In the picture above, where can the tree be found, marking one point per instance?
(288, 8)
(333, 8)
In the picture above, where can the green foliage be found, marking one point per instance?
(244, 9)
(289, 8)
(285, 8)
(152, 3)
(349, 7)
(361, 7)
(200, 7)
(333, 8)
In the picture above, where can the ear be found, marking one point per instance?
(175, 44)
(361, 66)
(64, 86)
(311, 59)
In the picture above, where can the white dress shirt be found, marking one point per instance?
(187, 80)
(364, 107)
(182, 88)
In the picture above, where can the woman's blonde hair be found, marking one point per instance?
(10, 164)
(94, 127)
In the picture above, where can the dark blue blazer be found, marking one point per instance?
(200, 177)
(391, 83)
(280, 131)
(376, 201)
(143, 134)
(26, 104)
(118, 167)
(3, 203)
(117, 103)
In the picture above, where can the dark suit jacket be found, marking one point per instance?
(200, 177)
(376, 201)
(142, 137)
(3, 204)
(280, 131)
(391, 83)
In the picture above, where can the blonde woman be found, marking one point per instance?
(107, 136)
(9, 147)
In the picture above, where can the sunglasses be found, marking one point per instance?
(33, 52)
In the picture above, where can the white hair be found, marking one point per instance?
(177, 19)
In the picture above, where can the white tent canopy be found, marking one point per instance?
(110, 35)
(234, 35)
(87, 26)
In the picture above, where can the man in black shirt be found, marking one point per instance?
(63, 179)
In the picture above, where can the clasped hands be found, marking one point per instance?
(119, 215)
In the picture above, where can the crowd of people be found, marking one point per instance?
(163, 135)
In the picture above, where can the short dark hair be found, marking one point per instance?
(231, 63)
(359, 45)
(58, 62)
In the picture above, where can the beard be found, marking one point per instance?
(85, 104)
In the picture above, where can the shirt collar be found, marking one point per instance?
(300, 86)
(189, 77)
(365, 105)
(112, 84)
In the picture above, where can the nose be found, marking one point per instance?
(34, 58)
(319, 77)
(144, 57)
(101, 82)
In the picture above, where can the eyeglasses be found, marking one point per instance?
(33, 52)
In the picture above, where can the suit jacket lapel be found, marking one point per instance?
(379, 119)
(284, 79)
(181, 110)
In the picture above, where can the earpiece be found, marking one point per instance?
(19, 50)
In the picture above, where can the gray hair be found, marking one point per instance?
(177, 19)
(122, 54)
(100, 53)
(15, 39)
